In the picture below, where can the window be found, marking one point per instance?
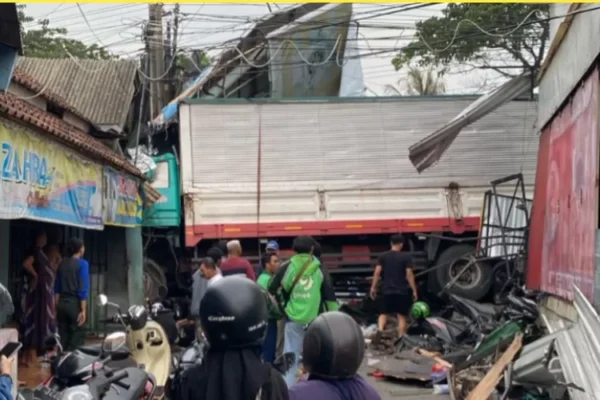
(161, 176)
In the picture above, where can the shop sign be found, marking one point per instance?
(42, 180)
(122, 201)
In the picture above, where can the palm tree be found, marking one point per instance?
(419, 82)
(424, 82)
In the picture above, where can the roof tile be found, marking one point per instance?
(31, 83)
(64, 132)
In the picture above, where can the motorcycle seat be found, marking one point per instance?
(96, 349)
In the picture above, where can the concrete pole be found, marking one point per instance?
(135, 258)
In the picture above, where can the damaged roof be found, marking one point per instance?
(64, 132)
(429, 150)
(253, 44)
(99, 90)
(35, 86)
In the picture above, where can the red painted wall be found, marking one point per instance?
(564, 215)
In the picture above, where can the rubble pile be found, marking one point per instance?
(476, 354)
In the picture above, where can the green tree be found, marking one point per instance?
(436, 43)
(45, 42)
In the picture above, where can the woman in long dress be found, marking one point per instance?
(38, 311)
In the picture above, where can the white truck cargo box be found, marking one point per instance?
(265, 167)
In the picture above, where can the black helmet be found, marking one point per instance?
(233, 314)
(334, 346)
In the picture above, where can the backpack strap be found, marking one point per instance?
(288, 293)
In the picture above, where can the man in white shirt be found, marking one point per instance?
(209, 271)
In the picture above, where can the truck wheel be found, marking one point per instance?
(154, 280)
(475, 283)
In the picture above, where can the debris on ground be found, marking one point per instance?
(469, 350)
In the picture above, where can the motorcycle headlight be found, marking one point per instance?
(81, 392)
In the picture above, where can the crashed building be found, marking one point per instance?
(563, 244)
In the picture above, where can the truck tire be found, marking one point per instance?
(155, 282)
(478, 279)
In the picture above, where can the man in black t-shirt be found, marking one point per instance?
(399, 288)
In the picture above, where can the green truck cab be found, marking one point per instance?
(166, 212)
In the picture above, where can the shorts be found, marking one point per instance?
(397, 304)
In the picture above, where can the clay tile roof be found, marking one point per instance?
(64, 132)
(35, 86)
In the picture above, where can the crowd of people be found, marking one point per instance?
(299, 317)
(234, 318)
(249, 316)
(299, 290)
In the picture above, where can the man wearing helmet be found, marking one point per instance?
(334, 348)
(234, 319)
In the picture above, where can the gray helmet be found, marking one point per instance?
(334, 346)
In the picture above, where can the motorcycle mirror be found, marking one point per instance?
(102, 300)
(114, 342)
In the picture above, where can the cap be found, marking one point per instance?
(272, 245)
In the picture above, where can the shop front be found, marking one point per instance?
(47, 188)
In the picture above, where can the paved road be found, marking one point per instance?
(397, 390)
(392, 390)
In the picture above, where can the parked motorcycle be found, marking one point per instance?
(146, 340)
(74, 368)
(130, 383)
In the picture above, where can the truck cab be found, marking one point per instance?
(166, 212)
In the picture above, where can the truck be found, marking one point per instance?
(336, 169)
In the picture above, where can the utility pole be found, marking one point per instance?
(174, 71)
(156, 57)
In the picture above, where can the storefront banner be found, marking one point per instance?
(122, 201)
(43, 180)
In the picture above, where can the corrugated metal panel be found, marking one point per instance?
(352, 145)
(101, 90)
(506, 225)
(579, 348)
(568, 203)
(571, 60)
(429, 150)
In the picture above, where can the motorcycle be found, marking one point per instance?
(74, 368)
(129, 383)
(146, 341)
(77, 374)
(475, 321)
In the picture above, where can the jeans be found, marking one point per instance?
(269, 347)
(294, 338)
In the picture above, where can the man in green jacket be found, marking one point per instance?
(304, 291)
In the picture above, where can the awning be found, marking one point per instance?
(428, 151)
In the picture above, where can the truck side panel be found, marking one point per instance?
(342, 161)
(566, 208)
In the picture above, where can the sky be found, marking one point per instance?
(210, 26)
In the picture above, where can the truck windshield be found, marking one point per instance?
(161, 176)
